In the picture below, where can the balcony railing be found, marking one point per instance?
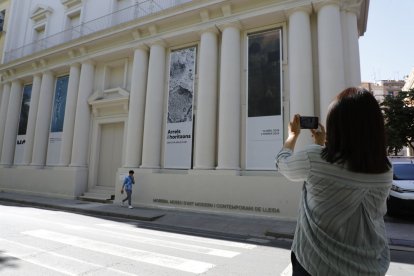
(141, 9)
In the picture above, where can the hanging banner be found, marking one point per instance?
(24, 116)
(58, 116)
(264, 137)
(179, 130)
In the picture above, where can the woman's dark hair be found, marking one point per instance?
(355, 134)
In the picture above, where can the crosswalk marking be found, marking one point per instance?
(177, 263)
(178, 236)
(41, 257)
(158, 242)
(287, 271)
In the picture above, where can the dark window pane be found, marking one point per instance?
(24, 111)
(264, 84)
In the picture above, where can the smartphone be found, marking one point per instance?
(308, 122)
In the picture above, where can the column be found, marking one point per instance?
(330, 51)
(300, 68)
(3, 111)
(151, 150)
(70, 111)
(44, 111)
(83, 116)
(12, 123)
(229, 100)
(31, 121)
(351, 48)
(205, 132)
(135, 125)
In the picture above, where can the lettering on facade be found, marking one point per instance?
(176, 134)
(270, 131)
(21, 142)
(256, 209)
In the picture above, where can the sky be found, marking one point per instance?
(387, 47)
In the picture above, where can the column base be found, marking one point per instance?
(149, 167)
(204, 168)
(227, 171)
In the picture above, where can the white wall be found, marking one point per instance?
(273, 193)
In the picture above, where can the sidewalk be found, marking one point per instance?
(400, 234)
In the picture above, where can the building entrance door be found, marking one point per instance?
(110, 154)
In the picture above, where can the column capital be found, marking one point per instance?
(47, 71)
(319, 5)
(231, 24)
(5, 82)
(353, 6)
(142, 47)
(75, 64)
(88, 61)
(159, 42)
(38, 74)
(210, 29)
(10, 73)
(305, 8)
(16, 81)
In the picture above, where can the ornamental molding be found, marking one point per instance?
(109, 102)
(71, 3)
(40, 13)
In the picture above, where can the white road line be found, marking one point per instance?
(177, 263)
(133, 229)
(31, 256)
(158, 242)
(287, 271)
(159, 233)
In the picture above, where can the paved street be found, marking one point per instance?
(36, 241)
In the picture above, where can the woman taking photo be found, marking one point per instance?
(347, 177)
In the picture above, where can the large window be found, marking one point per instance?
(264, 124)
(264, 74)
(24, 111)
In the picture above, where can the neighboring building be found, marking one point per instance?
(409, 81)
(383, 88)
(195, 96)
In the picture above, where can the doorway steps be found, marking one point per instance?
(99, 194)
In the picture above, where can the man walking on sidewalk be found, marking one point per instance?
(127, 187)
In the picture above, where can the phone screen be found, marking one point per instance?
(308, 122)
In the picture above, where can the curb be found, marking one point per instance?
(83, 211)
(279, 235)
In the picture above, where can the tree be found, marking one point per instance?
(399, 120)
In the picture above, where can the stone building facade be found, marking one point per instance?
(195, 96)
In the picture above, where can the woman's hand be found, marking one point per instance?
(294, 126)
(294, 131)
(319, 135)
